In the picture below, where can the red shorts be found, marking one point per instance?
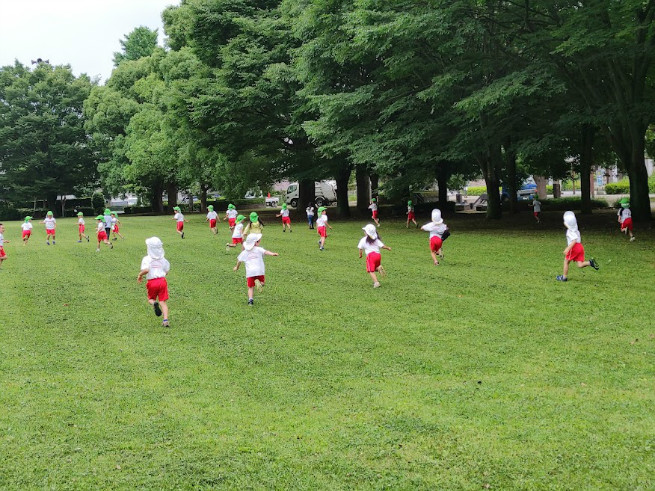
(410, 215)
(237, 240)
(50, 231)
(2, 252)
(232, 222)
(435, 243)
(250, 281)
(102, 235)
(536, 213)
(212, 223)
(373, 261)
(286, 220)
(115, 229)
(26, 233)
(322, 231)
(81, 228)
(180, 226)
(375, 213)
(157, 289)
(576, 253)
(627, 223)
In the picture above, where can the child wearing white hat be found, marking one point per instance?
(574, 250)
(253, 256)
(371, 245)
(155, 267)
(438, 233)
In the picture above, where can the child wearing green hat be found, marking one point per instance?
(374, 211)
(81, 227)
(107, 222)
(410, 214)
(27, 229)
(50, 227)
(255, 226)
(212, 218)
(286, 219)
(231, 215)
(102, 234)
(321, 226)
(625, 218)
(179, 218)
(237, 233)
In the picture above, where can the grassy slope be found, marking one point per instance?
(481, 371)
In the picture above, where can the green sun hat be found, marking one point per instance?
(373, 200)
(253, 217)
(114, 213)
(322, 209)
(284, 206)
(240, 218)
(28, 218)
(107, 211)
(230, 206)
(100, 217)
(177, 208)
(80, 214)
(210, 207)
(50, 213)
(409, 202)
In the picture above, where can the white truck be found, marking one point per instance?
(326, 193)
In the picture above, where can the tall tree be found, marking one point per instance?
(141, 42)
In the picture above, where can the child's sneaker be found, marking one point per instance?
(79, 241)
(182, 234)
(321, 248)
(593, 264)
(87, 238)
(227, 246)
(382, 272)
(98, 250)
(53, 242)
(111, 246)
(559, 277)
(251, 302)
(259, 286)
(376, 284)
(165, 323)
(632, 239)
(157, 309)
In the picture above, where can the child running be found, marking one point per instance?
(286, 219)
(256, 226)
(321, 227)
(212, 218)
(374, 211)
(107, 222)
(625, 218)
(81, 227)
(536, 208)
(3, 254)
(371, 244)
(574, 251)
(101, 233)
(115, 225)
(231, 215)
(237, 233)
(155, 267)
(310, 215)
(253, 256)
(50, 228)
(27, 229)
(411, 217)
(179, 218)
(438, 233)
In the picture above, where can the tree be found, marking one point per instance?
(44, 149)
(141, 42)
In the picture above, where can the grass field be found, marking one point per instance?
(483, 372)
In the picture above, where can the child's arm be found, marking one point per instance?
(141, 274)
(386, 247)
(360, 253)
(236, 268)
(279, 215)
(269, 253)
(569, 247)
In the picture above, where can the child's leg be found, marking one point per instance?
(164, 309)
(373, 277)
(251, 292)
(322, 241)
(583, 264)
(434, 257)
(565, 269)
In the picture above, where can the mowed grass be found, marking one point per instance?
(482, 372)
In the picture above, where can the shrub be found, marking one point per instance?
(9, 212)
(563, 204)
(98, 203)
(621, 187)
(476, 190)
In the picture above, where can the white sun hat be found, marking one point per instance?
(251, 241)
(370, 231)
(436, 216)
(570, 221)
(155, 247)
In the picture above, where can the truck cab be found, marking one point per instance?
(325, 191)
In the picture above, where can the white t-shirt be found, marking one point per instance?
(2, 240)
(310, 211)
(26, 226)
(80, 221)
(231, 213)
(157, 268)
(179, 217)
(573, 236)
(107, 221)
(284, 212)
(369, 247)
(537, 206)
(434, 229)
(625, 213)
(113, 221)
(101, 227)
(237, 233)
(254, 260)
(49, 223)
(212, 215)
(321, 221)
(373, 207)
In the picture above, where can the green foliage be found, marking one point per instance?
(570, 203)
(476, 190)
(141, 42)
(620, 187)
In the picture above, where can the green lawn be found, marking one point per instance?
(482, 372)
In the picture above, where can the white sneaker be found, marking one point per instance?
(376, 284)
(259, 286)
(97, 250)
(632, 239)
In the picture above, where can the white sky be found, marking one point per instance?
(81, 33)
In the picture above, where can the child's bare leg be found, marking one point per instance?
(565, 270)
(322, 241)
(251, 292)
(373, 277)
(434, 258)
(583, 264)
(164, 309)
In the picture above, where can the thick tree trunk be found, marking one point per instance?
(541, 183)
(490, 165)
(156, 200)
(363, 188)
(306, 192)
(512, 181)
(442, 184)
(586, 159)
(171, 190)
(52, 202)
(342, 191)
(63, 205)
(203, 197)
(375, 182)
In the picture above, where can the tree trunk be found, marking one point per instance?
(63, 205)
(363, 188)
(306, 192)
(342, 191)
(541, 183)
(443, 174)
(171, 189)
(490, 164)
(375, 182)
(512, 181)
(586, 159)
(203, 197)
(156, 200)
(52, 202)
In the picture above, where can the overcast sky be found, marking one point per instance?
(82, 33)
